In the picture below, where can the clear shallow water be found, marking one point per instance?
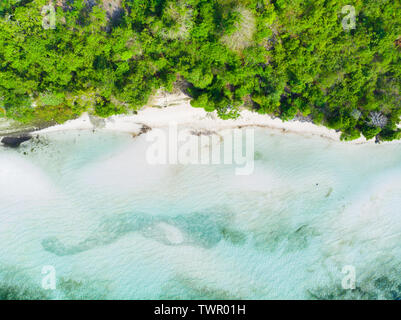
(115, 227)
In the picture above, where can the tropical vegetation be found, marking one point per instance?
(285, 58)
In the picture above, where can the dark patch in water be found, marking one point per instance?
(258, 156)
(14, 285)
(329, 192)
(182, 288)
(55, 246)
(300, 239)
(203, 229)
(83, 289)
(199, 229)
(380, 288)
(109, 231)
(21, 292)
(338, 293)
(389, 289)
(233, 236)
(271, 237)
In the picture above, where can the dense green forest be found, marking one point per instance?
(286, 58)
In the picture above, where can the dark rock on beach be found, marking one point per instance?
(144, 129)
(15, 141)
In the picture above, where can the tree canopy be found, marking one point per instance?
(285, 58)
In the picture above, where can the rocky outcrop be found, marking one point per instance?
(15, 141)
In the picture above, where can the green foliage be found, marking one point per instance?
(370, 132)
(106, 109)
(201, 101)
(284, 58)
(51, 99)
(389, 135)
(350, 134)
(227, 111)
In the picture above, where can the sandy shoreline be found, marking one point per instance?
(165, 109)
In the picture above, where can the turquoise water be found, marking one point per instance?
(114, 227)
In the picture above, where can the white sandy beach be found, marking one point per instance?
(166, 108)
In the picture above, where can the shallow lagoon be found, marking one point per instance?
(115, 227)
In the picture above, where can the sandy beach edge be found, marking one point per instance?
(166, 109)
